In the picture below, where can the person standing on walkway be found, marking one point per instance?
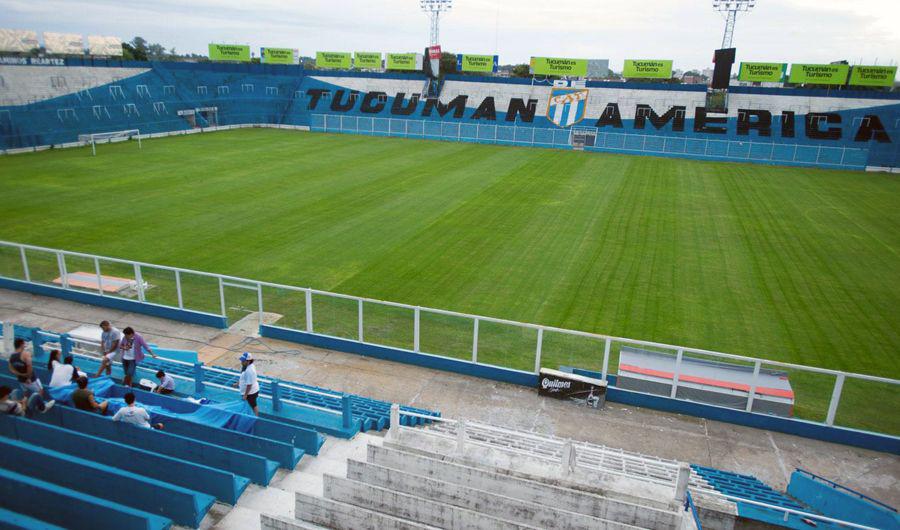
(248, 384)
(132, 346)
(21, 366)
(109, 347)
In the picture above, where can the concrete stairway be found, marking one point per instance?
(407, 484)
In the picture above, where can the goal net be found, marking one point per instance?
(109, 137)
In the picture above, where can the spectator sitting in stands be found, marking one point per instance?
(62, 373)
(21, 366)
(83, 398)
(133, 414)
(166, 383)
(24, 406)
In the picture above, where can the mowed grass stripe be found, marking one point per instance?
(792, 264)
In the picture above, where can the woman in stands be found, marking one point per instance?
(248, 384)
(62, 374)
(132, 348)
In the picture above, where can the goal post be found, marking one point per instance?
(109, 137)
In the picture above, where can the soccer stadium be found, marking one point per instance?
(287, 288)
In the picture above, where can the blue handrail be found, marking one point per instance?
(689, 505)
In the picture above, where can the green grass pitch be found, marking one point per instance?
(791, 264)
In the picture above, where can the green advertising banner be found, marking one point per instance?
(401, 61)
(762, 72)
(873, 75)
(559, 66)
(476, 63)
(367, 60)
(647, 68)
(229, 52)
(339, 60)
(279, 56)
(819, 74)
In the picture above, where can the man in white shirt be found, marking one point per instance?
(109, 347)
(248, 384)
(135, 415)
(166, 383)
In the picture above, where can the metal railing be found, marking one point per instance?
(460, 131)
(212, 298)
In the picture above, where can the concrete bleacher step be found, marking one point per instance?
(411, 507)
(258, 469)
(271, 522)
(540, 514)
(182, 506)
(71, 509)
(223, 485)
(344, 516)
(631, 489)
(525, 490)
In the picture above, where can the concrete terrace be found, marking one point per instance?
(770, 456)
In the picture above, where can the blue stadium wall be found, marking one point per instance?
(836, 129)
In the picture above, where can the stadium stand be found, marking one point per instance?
(417, 482)
(800, 507)
(207, 452)
(53, 105)
(367, 413)
(452, 473)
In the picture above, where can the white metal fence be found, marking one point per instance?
(460, 131)
(475, 339)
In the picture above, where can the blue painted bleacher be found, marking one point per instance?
(751, 488)
(61, 506)
(371, 414)
(744, 486)
(10, 520)
(205, 453)
(840, 502)
(182, 506)
(150, 100)
(223, 485)
(281, 448)
(256, 468)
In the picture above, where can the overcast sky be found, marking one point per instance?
(684, 30)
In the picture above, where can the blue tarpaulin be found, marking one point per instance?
(232, 415)
(102, 387)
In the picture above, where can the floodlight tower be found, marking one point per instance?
(434, 8)
(730, 10)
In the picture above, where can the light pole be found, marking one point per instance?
(434, 8)
(730, 10)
